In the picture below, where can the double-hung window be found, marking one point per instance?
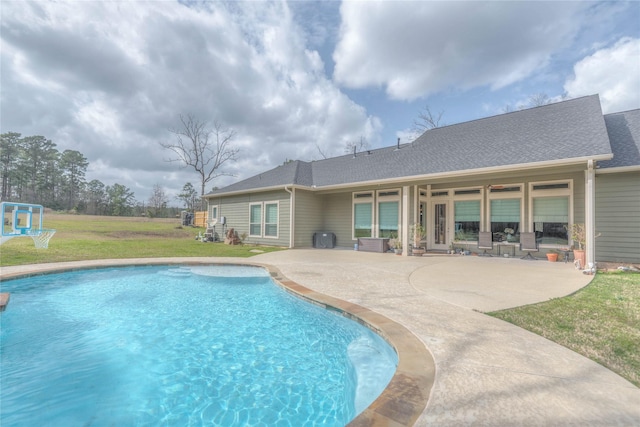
(506, 212)
(551, 208)
(467, 206)
(271, 219)
(255, 219)
(362, 215)
(263, 219)
(388, 213)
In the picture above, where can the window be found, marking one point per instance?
(213, 212)
(255, 219)
(467, 219)
(551, 219)
(550, 207)
(505, 212)
(505, 220)
(388, 218)
(388, 213)
(271, 219)
(268, 223)
(362, 215)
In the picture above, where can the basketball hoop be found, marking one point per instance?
(41, 237)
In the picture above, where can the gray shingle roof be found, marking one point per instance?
(572, 129)
(624, 134)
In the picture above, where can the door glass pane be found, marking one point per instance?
(440, 224)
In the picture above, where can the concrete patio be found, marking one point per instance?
(487, 372)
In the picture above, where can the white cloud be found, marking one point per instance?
(414, 49)
(110, 78)
(613, 72)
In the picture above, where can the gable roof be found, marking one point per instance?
(624, 133)
(565, 132)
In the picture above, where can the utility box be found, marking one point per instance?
(324, 240)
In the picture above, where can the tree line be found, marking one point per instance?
(35, 171)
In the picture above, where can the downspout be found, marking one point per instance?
(292, 212)
(589, 213)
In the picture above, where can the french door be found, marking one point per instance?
(440, 236)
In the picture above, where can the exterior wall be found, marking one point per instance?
(333, 212)
(618, 217)
(309, 217)
(337, 217)
(236, 211)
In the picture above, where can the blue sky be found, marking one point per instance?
(295, 80)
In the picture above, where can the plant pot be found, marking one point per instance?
(553, 257)
(580, 255)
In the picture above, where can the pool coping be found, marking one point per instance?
(403, 400)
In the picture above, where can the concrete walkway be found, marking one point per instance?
(488, 372)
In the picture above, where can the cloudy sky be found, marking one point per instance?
(294, 80)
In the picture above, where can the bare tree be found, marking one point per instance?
(356, 146)
(158, 200)
(538, 100)
(535, 100)
(322, 153)
(205, 150)
(427, 120)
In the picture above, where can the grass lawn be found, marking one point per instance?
(83, 237)
(601, 322)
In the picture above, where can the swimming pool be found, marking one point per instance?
(191, 345)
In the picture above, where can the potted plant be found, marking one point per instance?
(396, 245)
(552, 256)
(418, 234)
(578, 234)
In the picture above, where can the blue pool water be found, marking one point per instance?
(198, 345)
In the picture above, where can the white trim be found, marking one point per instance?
(590, 212)
(292, 213)
(404, 226)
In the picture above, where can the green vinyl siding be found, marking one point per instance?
(618, 217)
(309, 217)
(237, 211)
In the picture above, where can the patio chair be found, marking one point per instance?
(485, 242)
(529, 243)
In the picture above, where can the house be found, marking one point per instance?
(537, 170)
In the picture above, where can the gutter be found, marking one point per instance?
(618, 169)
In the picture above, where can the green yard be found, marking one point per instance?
(83, 237)
(601, 322)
